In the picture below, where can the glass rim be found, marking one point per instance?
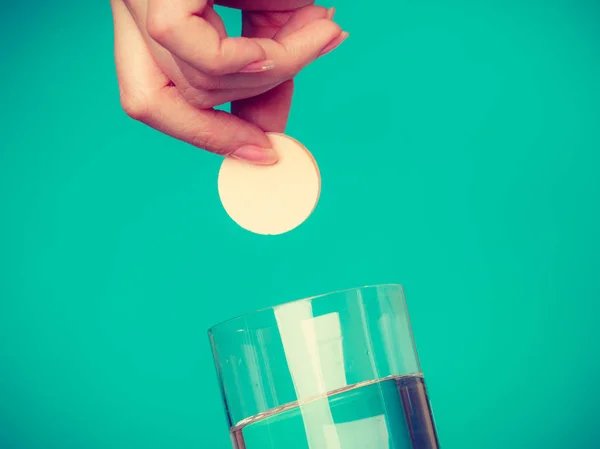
(213, 328)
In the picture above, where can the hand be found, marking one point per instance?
(175, 63)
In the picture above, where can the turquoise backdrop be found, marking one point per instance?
(459, 147)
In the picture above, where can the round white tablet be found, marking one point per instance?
(272, 199)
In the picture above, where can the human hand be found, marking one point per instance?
(175, 63)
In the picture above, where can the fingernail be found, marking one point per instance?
(259, 66)
(331, 13)
(256, 155)
(334, 44)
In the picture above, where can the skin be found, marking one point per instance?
(175, 63)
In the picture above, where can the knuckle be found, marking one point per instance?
(207, 140)
(159, 26)
(136, 106)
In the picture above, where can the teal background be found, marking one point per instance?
(459, 147)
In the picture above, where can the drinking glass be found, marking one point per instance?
(336, 371)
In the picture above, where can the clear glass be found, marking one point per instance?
(337, 371)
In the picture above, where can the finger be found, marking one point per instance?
(270, 110)
(163, 58)
(203, 99)
(334, 43)
(298, 49)
(265, 25)
(265, 5)
(307, 43)
(216, 22)
(280, 25)
(212, 130)
(147, 97)
(192, 75)
(300, 19)
(291, 54)
(181, 27)
(139, 77)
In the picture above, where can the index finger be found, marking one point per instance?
(179, 26)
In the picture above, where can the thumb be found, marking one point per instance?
(212, 130)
